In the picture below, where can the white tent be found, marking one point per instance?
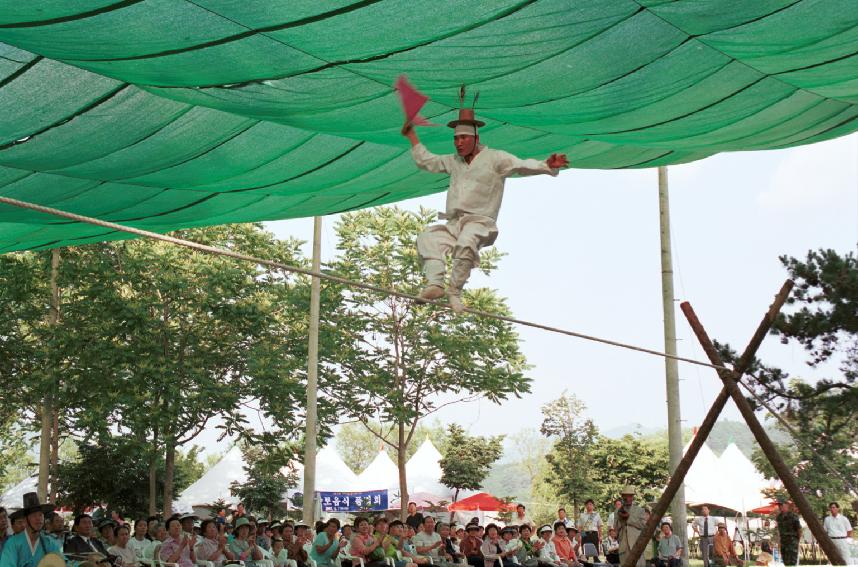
(332, 474)
(379, 475)
(704, 481)
(424, 470)
(13, 498)
(214, 484)
(741, 480)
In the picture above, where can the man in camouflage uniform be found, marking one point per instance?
(789, 530)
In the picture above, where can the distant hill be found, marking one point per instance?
(508, 478)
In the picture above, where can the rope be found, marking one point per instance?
(849, 486)
(339, 279)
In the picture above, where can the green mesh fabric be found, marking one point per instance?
(166, 114)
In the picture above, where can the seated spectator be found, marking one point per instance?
(160, 534)
(107, 531)
(611, 547)
(471, 546)
(528, 553)
(18, 521)
(279, 555)
(492, 547)
(263, 535)
(242, 547)
(139, 543)
(669, 548)
(548, 553)
(213, 546)
(725, 553)
(300, 544)
(179, 547)
(409, 550)
(327, 545)
(428, 542)
(288, 534)
(82, 541)
(365, 546)
(510, 545)
(563, 546)
(450, 548)
(55, 527)
(765, 557)
(394, 544)
(121, 549)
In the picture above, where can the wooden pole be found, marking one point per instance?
(46, 410)
(312, 381)
(730, 380)
(703, 432)
(671, 366)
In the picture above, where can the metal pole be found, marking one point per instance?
(678, 475)
(730, 380)
(47, 409)
(671, 367)
(312, 381)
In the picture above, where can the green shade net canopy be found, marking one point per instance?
(167, 114)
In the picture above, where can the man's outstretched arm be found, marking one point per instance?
(508, 165)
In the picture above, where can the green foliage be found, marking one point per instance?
(630, 460)
(574, 433)
(116, 470)
(155, 341)
(358, 446)
(16, 462)
(269, 475)
(467, 459)
(398, 359)
(822, 318)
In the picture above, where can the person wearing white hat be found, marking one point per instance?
(548, 551)
(629, 521)
(477, 174)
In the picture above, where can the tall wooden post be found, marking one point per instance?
(47, 411)
(671, 366)
(730, 380)
(312, 381)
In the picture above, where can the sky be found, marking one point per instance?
(583, 253)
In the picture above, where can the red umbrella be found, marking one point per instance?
(480, 501)
(768, 509)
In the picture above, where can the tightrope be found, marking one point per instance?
(341, 280)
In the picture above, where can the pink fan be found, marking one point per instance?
(412, 101)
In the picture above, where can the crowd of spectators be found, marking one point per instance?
(185, 541)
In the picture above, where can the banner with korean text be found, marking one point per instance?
(366, 501)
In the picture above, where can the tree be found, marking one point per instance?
(156, 341)
(401, 361)
(564, 421)
(358, 446)
(16, 462)
(824, 415)
(115, 470)
(468, 459)
(270, 473)
(632, 460)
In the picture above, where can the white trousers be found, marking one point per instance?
(461, 238)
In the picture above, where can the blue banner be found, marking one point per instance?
(367, 501)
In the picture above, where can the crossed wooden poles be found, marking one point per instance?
(731, 378)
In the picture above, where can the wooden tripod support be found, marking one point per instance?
(730, 378)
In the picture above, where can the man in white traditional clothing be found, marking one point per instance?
(629, 521)
(477, 176)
